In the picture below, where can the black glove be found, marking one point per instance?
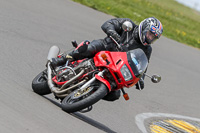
(124, 48)
(140, 84)
(114, 35)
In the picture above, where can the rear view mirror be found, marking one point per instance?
(156, 78)
(127, 26)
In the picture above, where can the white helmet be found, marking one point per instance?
(150, 30)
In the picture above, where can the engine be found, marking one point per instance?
(88, 65)
(69, 72)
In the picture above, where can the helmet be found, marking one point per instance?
(150, 30)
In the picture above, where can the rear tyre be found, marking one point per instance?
(40, 85)
(77, 101)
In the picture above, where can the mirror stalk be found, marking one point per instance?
(154, 78)
(147, 75)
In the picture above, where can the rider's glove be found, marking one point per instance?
(140, 84)
(124, 48)
(114, 35)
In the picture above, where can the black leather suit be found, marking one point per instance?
(110, 26)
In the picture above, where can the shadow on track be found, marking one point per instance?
(85, 118)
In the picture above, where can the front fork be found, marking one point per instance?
(100, 78)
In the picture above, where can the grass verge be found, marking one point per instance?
(180, 23)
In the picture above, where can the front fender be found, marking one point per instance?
(103, 81)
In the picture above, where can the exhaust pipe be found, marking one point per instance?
(53, 53)
(50, 83)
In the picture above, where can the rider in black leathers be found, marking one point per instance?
(141, 36)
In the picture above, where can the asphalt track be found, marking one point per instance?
(27, 30)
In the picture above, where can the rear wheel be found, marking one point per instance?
(77, 100)
(40, 85)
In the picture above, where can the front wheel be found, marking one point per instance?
(77, 100)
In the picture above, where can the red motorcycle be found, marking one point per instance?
(80, 84)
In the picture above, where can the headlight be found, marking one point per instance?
(126, 73)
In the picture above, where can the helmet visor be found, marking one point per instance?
(150, 37)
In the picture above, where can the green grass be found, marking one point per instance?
(180, 23)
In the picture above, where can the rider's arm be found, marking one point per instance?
(115, 25)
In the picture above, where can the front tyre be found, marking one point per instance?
(77, 100)
(40, 85)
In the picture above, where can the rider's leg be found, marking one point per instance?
(80, 53)
(93, 48)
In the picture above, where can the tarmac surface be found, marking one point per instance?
(28, 28)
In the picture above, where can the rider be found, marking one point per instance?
(141, 36)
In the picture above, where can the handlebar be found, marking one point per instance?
(118, 45)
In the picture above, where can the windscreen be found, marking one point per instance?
(138, 58)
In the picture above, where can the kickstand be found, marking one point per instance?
(86, 109)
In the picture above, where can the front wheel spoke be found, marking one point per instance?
(78, 96)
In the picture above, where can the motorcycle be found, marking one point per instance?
(80, 84)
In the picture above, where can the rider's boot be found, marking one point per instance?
(72, 56)
(61, 61)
